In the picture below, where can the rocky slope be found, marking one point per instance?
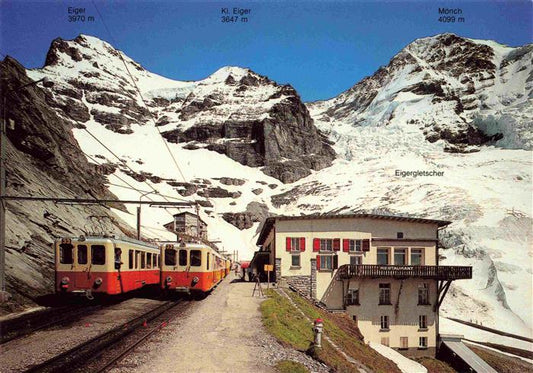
(235, 111)
(462, 91)
(44, 160)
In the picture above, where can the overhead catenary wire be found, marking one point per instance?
(140, 93)
(129, 185)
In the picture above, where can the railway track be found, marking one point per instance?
(32, 322)
(104, 351)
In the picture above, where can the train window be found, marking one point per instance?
(196, 258)
(82, 254)
(65, 253)
(130, 259)
(170, 257)
(136, 259)
(207, 264)
(143, 260)
(157, 261)
(183, 257)
(149, 260)
(97, 254)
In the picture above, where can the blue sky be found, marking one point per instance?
(321, 48)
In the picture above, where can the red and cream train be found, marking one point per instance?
(112, 266)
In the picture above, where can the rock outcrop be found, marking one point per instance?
(44, 159)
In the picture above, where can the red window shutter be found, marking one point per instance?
(336, 244)
(316, 244)
(302, 244)
(346, 245)
(288, 244)
(317, 261)
(366, 245)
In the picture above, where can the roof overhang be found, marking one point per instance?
(269, 222)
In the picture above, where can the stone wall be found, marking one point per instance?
(313, 278)
(302, 284)
(277, 269)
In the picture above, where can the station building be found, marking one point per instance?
(187, 224)
(381, 270)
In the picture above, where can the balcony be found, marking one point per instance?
(427, 272)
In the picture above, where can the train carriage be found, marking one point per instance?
(190, 267)
(105, 265)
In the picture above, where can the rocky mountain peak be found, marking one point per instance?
(234, 111)
(449, 87)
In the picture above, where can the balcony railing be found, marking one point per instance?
(430, 272)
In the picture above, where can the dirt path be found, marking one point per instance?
(223, 333)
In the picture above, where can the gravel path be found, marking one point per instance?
(19, 354)
(223, 333)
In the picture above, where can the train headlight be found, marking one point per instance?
(65, 280)
(98, 281)
(195, 281)
(169, 280)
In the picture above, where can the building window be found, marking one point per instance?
(383, 256)
(355, 245)
(404, 343)
(385, 341)
(384, 294)
(384, 323)
(356, 259)
(399, 234)
(422, 322)
(352, 298)
(295, 260)
(423, 342)
(423, 294)
(326, 262)
(400, 257)
(326, 244)
(295, 244)
(417, 258)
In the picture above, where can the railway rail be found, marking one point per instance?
(103, 351)
(28, 323)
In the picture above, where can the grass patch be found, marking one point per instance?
(345, 334)
(289, 366)
(502, 363)
(285, 323)
(434, 365)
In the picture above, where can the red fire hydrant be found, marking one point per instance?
(317, 329)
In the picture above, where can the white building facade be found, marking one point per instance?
(381, 270)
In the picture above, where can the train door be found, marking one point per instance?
(196, 269)
(183, 267)
(81, 265)
(129, 276)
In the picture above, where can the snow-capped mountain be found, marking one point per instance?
(248, 147)
(464, 91)
(234, 111)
